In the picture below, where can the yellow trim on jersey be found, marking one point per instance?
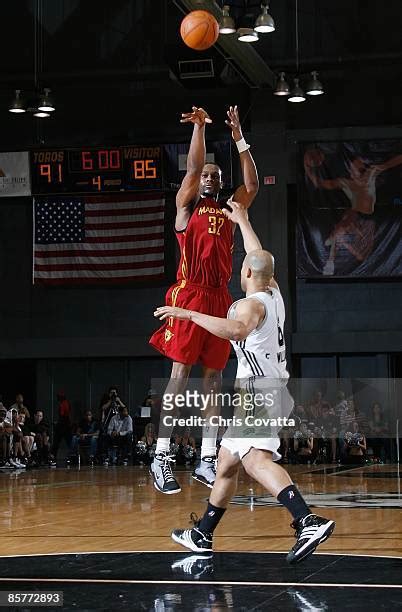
(175, 293)
(184, 264)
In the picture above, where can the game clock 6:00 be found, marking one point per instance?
(100, 170)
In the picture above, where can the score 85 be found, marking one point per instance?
(144, 169)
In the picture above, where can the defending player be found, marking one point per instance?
(255, 328)
(205, 237)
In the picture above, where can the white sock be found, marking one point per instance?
(209, 435)
(162, 445)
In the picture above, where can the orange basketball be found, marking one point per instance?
(199, 30)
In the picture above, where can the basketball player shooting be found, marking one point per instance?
(360, 189)
(254, 325)
(205, 238)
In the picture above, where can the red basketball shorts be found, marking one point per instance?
(185, 342)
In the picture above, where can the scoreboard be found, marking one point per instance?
(127, 168)
(93, 170)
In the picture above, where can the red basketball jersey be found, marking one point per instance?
(206, 246)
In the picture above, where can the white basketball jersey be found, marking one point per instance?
(263, 352)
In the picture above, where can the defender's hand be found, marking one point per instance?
(233, 122)
(164, 312)
(238, 212)
(199, 116)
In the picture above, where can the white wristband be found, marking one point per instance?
(242, 145)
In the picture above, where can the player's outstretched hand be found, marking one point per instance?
(237, 213)
(197, 115)
(164, 312)
(233, 122)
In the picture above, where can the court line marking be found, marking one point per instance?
(207, 582)
(178, 552)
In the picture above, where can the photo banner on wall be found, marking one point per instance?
(350, 209)
(14, 174)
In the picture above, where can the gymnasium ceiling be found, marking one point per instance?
(93, 50)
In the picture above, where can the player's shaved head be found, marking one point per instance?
(261, 264)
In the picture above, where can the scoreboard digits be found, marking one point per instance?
(97, 170)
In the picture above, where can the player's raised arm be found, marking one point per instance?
(189, 188)
(249, 313)
(239, 215)
(246, 193)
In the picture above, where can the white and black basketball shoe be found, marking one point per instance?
(205, 471)
(161, 471)
(311, 531)
(193, 539)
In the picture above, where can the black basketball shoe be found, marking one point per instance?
(194, 539)
(311, 531)
(162, 474)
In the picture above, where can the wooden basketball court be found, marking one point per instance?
(102, 537)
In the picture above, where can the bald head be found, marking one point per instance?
(261, 264)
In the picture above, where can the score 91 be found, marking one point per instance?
(53, 172)
(144, 169)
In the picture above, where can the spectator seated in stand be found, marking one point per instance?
(19, 406)
(120, 437)
(16, 439)
(145, 449)
(25, 445)
(6, 429)
(86, 436)
(378, 432)
(355, 446)
(40, 429)
(304, 444)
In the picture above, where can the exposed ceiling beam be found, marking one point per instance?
(241, 56)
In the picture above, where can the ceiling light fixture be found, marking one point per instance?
(247, 35)
(314, 88)
(226, 24)
(46, 103)
(297, 94)
(41, 114)
(17, 105)
(264, 22)
(282, 86)
(40, 104)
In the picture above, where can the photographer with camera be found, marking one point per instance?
(110, 406)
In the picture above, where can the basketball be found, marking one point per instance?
(199, 30)
(314, 158)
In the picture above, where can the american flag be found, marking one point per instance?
(98, 239)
